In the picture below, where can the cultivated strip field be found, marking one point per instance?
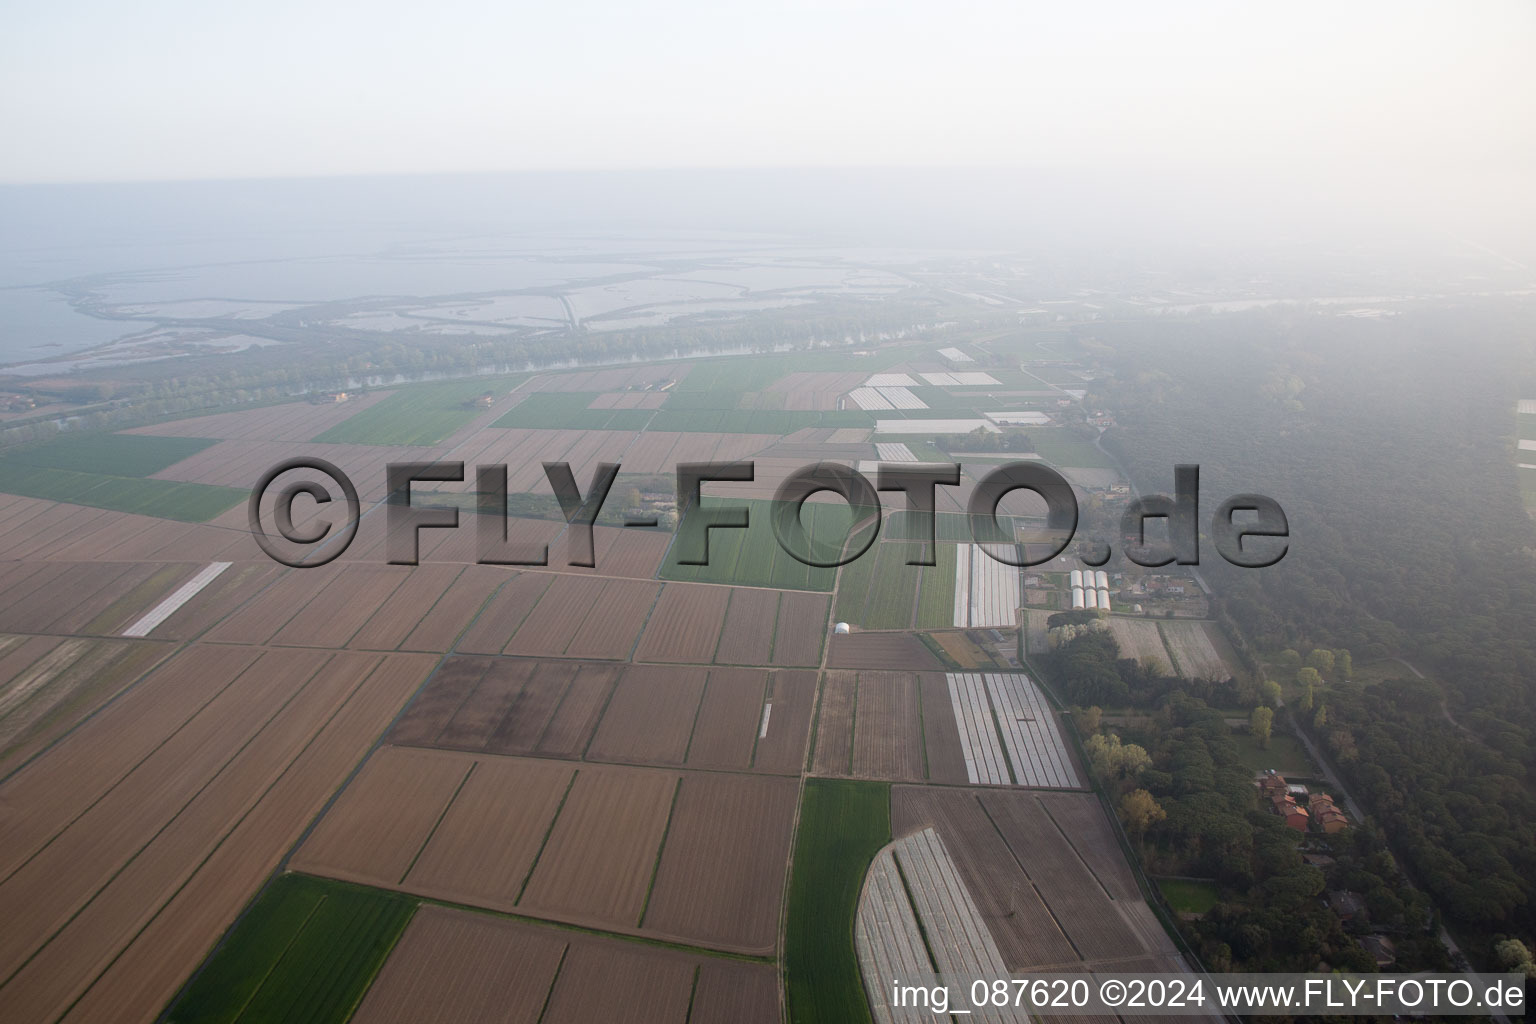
(475, 969)
(697, 858)
(47, 684)
(713, 718)
(1008, 733)
(1045, 873)
(1138, 639)
(987, 592)
(1194, 656)
(891, 929)
(131, 843)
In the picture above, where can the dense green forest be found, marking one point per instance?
(1390, 445)
(1189, 801)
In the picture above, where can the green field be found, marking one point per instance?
(1188, 897)
(843, 825)
(1285, 754)
(112, 471)
(567, 410)
(753, 421)
(753, 557)
(303, 953)
(111, 454)
(421, 414)
(1060, 448)
(879, 590)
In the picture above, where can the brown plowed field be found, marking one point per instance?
(685, 625)
(1090, 918)
(628, 553)
(491, 835)
(747, 636)
(1026, 933)
(728, 720)
(49, 685)
(802, 627)
(466, 968)
(149, 922)
(553, 622)
(542, 695)
(650, 717)
(899, 651)
(735, 993)
(506, 611)
(438, 701)
(571, 726)
(383, 819)
(485, 704)
(941, 736)
(347, 602)
(598, 861)
(626, 983)
(887, 730)
(233, 587)
(1081, 818)
(616, 619)
(260, 620)
(295, 421)
(453, 611)
(722, 870)
(834, 723)
(397, 616)
(792, 697)
(44, 796)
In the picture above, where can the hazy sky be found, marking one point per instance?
(1389, 98)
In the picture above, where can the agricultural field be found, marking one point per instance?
(1047, 876)
(133, 840)
(307, 949)
(709, 718)
(752, 557)
(48, 683)
(1140, 639)
(421, 414)
(878, 590)
(119, 491)
(843, 826)
(987, 592)
(1191, 649)
(696, 858)
(916, 917)
(477, 968)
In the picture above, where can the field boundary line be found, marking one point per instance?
(438, 823)
(532, 867)
(171, 820)
(266, 884)
(661, 848)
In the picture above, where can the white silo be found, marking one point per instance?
(1104, 600)
(1090, 598)
(1101, 580)
(1077, 578)
(1077, 598)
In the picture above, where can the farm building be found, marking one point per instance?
(1104, 600)
(1077, 579)
(1101, 579)
(1090, 598)
(1077, 598)
(840, 628)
